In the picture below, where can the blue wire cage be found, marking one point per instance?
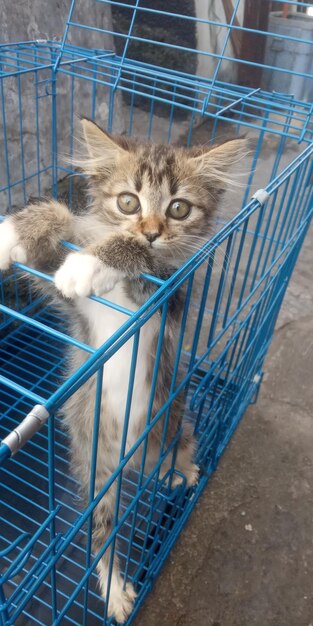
(234, 283)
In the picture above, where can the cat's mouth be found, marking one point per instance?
(157, 245)
(152, 244)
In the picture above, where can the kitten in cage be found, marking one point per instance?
(149, 204)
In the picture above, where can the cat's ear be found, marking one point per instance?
(215, 163)
(103, 149)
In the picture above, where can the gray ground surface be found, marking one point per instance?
(246, 556)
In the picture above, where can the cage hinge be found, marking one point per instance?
(261, 195)
(27, 428)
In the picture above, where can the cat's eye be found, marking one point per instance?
(179, 209)
(128, 203)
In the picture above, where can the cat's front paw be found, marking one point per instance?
(10, 247)
(83, 274)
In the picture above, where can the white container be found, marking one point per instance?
(295, 56)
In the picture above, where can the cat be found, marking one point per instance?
(146, 201)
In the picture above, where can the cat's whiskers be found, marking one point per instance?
(204, 240)
(217, 264)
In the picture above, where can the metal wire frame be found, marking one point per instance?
(177, 89)
(190, 94)
(20, 178)
(221, 378)
(243, 271)
(133, 11)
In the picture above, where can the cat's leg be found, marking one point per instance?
(33, 234)
(184, 460)
(120, 602)
(78, 419)
(120, 599)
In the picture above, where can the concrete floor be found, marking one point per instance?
(246, 556)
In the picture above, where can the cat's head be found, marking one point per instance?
(164, 195)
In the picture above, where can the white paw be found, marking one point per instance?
(121, 602)
(82, 274)
(191, 475)
(10, 248)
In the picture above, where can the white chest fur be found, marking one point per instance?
(103, 322)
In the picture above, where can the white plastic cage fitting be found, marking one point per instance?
(27, 428)
(261, 195)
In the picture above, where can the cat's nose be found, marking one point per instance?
(152, 236)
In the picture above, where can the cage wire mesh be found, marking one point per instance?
(175, 75)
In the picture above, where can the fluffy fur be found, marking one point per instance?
(117, 248)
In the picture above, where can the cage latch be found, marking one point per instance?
(27, 428)
(261, 195)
